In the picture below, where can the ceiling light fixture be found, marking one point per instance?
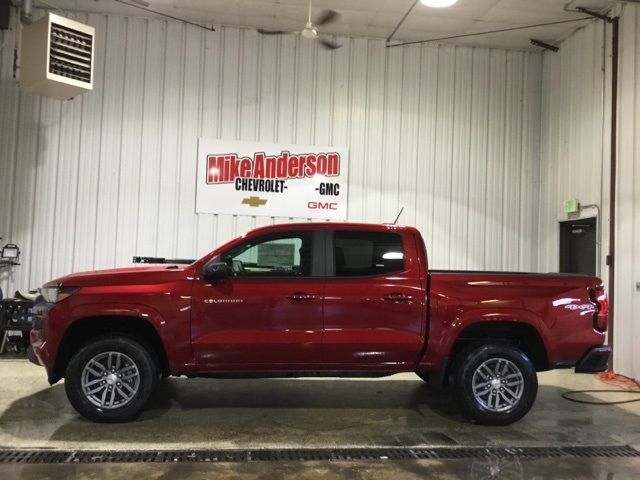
(438, 3)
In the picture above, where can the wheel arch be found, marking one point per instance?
(89, 328)
(519, 334)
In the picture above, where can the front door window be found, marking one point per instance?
(280, 256)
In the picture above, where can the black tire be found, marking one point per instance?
(129, 350)
(491, 406)
(424, 376)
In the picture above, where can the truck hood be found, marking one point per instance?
(121, 276)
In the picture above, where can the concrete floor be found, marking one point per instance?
(396, 411)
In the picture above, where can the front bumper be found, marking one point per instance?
(40, 351)
(595, 360)
(31, 355)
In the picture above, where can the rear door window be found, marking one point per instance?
(359, 254)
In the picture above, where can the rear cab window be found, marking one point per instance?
(364, 253)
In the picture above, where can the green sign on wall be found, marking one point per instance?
(571, 206)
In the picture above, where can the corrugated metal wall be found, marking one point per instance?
(575, 160)
(450, 133)
(627, 306)
(574, 145)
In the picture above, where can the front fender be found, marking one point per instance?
(168, 313)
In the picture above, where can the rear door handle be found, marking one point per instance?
(397, 297)
(300, 296)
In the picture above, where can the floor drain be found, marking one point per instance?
(332, 454)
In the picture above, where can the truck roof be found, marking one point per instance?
(332, 225)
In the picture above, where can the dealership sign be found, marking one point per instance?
(249, 178)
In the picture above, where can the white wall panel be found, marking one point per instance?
(573, 140)
(575, 160)
(495, 161)
(438, 130)
(627, 306)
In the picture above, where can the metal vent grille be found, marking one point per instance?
(319, 454)
(70, 53)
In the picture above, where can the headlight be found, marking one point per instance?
(56, 294)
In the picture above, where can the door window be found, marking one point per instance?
(283, 255)
(359, 254)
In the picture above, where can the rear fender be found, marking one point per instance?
(445, 331)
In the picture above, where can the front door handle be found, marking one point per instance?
(397, 297)
(300, 296)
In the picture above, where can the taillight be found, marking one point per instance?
(601, 318)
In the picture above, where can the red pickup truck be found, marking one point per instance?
(317, 299)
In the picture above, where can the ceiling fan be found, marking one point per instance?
(310, 30)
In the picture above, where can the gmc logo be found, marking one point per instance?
(322, 205)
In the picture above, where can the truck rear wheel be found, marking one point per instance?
(495, 384)
(110, 379)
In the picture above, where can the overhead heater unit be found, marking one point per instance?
(57, 57)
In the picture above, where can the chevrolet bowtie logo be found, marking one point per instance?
(253, 201)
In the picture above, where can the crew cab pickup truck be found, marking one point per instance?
(317, 299)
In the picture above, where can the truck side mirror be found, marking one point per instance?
(213, 271)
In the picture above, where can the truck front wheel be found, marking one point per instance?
(495, 384)
(110, 379)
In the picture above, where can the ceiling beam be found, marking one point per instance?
(404, 17)
(465, 35)
(546, 46)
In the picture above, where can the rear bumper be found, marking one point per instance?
(595, 360)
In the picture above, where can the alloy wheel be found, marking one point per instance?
(110, 380)
(497, 384)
